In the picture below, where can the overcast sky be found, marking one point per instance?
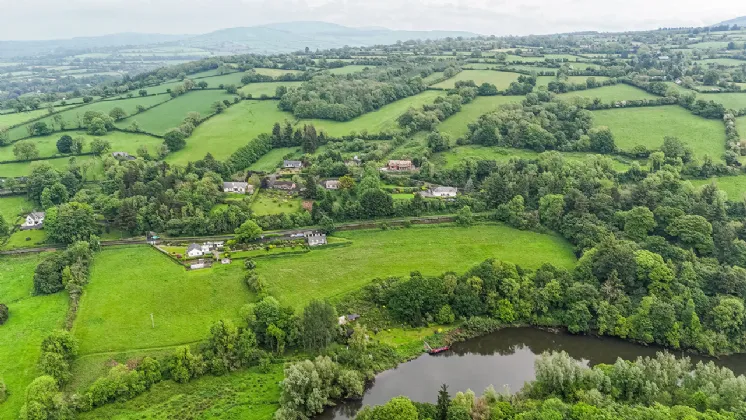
(50, 19)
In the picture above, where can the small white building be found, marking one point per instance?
(195, 250)
(292, 164)
(225, 261)
(34, 220)
(315, 238)
(238, 187)
(444, 191)
(331, 184)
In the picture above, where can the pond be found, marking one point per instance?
(504, 359)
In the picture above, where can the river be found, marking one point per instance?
(504, 359)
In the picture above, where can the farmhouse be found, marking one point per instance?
(331, 184)
(315, 239)
(400, 165)
(34, 220)
(238, 187)
(292, 164)
(123, 156)
(195, 250)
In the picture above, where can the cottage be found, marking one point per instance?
(443, 192)
(400, 165)
(123, 156)
(292, 164)
(284, 185)
(34, 220)
(344, 319)
(315, 239)
(195, 250)
(238, 187)
(331, 184)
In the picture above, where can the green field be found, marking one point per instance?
(710, 44)
(222, 134)
(276, 72)
(6, 120)
(25, 239)
(735, 101)
(734, 186)
(457, 125)
(294, 280)
(649, 125)
(72, 116)
(729, 62)
(503, 154)
(741, 126)
(24, 168)
(171, 114)
(606, 94)
(267, 88)
(31, 319)
(275, 203)
(273, 159)
(224, 79)
(433, 77)
(578, 80)
(500, 79)
(115, 310)
(120, 142)
(13, 206)
(348, 69)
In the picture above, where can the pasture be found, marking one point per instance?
(272, 202)
(728, 62)
(276, 72)
(25, 239)
(433, 77)
(6, 120)
(606, 94)
(734, 186)
(222, 134)
(120, 142)
(348, 69)
(295, 280)
(94, 166)
(171, 114)
(256, 90)
(457, 124)
(501, 79)
(741, 126)
(578, 80)
(648, 126)
(115, 310)
(225, 80)
(31, 319)
(718, 45)
(270, 161)
(736, 101)
(11, 207)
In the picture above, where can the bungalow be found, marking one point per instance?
(195, 250)
(331, 184)
(123, 156)
(283, 185)
(400, 165)
(34, 220)
(238, 187)
(292, 164)
(315, 239)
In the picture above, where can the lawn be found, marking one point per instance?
(648, 126)
(128, 284)
(735, 101)
(500, 79)
(31, 319)
(274, 203)
(504, 154)
(24, 168)
(606, 94)
(26, 239)
(349, 69)
(71, 117)
(222, 134)
(171, 114)
(120, 142)
(734, 186)
(457, 125)
(294, 280)
(256, 90)
(11, 207)
(270, 161)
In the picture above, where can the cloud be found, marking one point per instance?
(45, 19)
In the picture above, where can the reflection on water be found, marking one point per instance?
(504, 359)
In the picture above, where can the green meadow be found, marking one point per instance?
(256, 90)
(31, 319)
(15, 169)
(544, 80)
(648, 126)
(266, 203)
(735, 101)
(270, 161)
(120, 141)
(294, 280)
(348, 69)
(115, 311)
(501, 79)
(734, 186)
(25, 239)
(6, 120)
(276, 72)
(12, 207)
(618, 92)
(457, 124)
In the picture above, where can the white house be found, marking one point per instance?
(238, 187)
(34, 220)
(292, 164)
(315, 239)
(443, 192)
(195, 250)
(331, 184)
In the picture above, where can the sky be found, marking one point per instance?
(55, 19)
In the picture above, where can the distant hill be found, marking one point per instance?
(740, 21)
(272, 38)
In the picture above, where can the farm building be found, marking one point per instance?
(315, 239)
(195, 250)
(123, 156)
(400, 165)
(238, 187)
(331, 184)
(441, 192)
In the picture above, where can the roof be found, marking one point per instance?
(235, 184)
(193, 247)
(444, 189)
(292, 163)
(37, 215)
(400, 162)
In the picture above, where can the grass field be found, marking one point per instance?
(349, 69)
(457, 125)
(433, 77)
(606, 94)
(31, 319)
(6, 120)
(648, 126)
(115, 310)
(503, 154)
(271, 160)
(729, 62)
(71, 116)
(710, 44)
(741, 126)
(276, 72)
(13, 206)
(271, 203)
(24, 168)
(544, 80)
(120, 142)
(171, 114)
(222, 134)
(294, 280)
(25, 239)
(735, 101)
(268, 88)
(500, 79)
(224, 79)
(734, 186)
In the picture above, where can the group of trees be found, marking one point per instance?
(307, 137)
(430, 115)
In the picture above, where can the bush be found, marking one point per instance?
(3, 313)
